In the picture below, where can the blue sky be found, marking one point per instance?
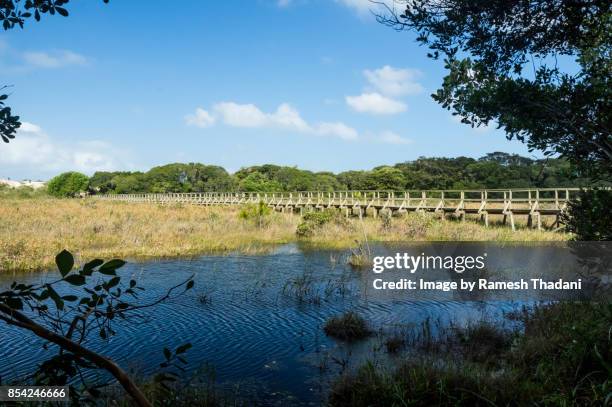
(313, 83)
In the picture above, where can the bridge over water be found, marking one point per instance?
(508, 203)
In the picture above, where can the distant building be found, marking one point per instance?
(25, 183)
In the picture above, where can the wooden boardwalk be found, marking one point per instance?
(531, 203)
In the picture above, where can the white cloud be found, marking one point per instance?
(29, 128)
(337, 129)
(55, 59)
(392, 81)
(375, 103)
(201, 118)
(16, 61)
(287, 116)
(241, 115)
(385, 86)
(393, 138)
(249, 115)
(33, 151)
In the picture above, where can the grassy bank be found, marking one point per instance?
(33, 231)
(562, 358)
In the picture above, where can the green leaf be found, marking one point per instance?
(70, 298)
(183, 348)
(14, 303)
(90, 266)
(59, 303)
(112, 282)
(65, 262)
(75, 279)
(110, 266)
(190, 285)
(43, 295)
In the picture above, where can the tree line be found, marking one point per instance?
(494, 170)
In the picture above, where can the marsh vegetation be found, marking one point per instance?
(559, 355)
(349, 326)
(32, 231)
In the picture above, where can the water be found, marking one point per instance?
(256, 321)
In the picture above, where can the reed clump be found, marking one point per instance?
(349, 327)
(360, 257)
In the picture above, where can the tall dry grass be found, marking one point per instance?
(33, 231)
(425, 227)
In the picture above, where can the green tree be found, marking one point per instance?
(327, 182)
(102, 181)
(68, 184)
(586, 216)
(386, 178)
(9, 123)
(257, 182)
(192, 177)
(294, 179)
(130, 183)
(504, 60)
(353, 180)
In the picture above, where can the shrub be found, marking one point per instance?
(561, 359)
(68, 184)
(483, 342)
(586, 217)
(24, 192)
(349, 326)
(256, 213)
(311, 221)
(395, 343)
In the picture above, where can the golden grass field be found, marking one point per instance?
(33, 231)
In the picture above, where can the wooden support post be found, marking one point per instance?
(529, 221)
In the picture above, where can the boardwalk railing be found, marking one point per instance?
(533, 203)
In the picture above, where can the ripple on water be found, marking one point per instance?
(241, 321)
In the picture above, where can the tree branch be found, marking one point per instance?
(18, 319)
